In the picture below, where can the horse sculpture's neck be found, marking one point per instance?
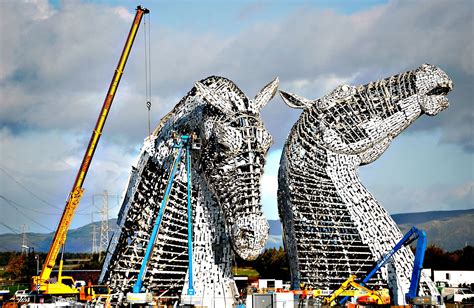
(326, 201)
(393, 88)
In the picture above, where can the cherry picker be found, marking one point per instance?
(139, 295)
(412, 296)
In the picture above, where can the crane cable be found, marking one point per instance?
(146, 29)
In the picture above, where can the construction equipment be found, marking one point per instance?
(89, 293)
(65, 285)
(412, 235)
(378, 297)
(138, 294)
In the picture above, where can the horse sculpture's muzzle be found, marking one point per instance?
(245, 221)
(433, 84)
(249, 235)
(239, 175)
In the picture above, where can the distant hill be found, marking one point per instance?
(450, 230)
(450, 234)
(422, 217)
(78, 240)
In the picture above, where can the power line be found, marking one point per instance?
(84, 209)
(14, 204)
(10, 228)
(82, 212)
(16, 232)
(39, 211)
(24, 187)
(34, 210)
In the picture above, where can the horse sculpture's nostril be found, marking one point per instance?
(247, 233)
(440, 90)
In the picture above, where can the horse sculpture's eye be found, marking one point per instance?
(229, 137)
(264, 139)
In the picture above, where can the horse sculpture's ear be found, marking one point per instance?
(295, 101)
(211, 97)
(265, 94)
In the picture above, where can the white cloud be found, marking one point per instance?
(124, 13)
(46, 164)
(56, 65)
(465, 192)
(61, 63)
(317, 87)
(268, 191)
(42, 9)
(406, 199)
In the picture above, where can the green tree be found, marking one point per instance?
(93, 263)
(273, 263)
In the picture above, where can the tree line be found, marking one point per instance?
(272, 263)
(438, 259)
(21, 267)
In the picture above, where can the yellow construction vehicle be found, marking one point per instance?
(90, 293)
(373, 296)
(378, 297)
(65, 284)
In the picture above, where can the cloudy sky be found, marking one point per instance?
(57, 59)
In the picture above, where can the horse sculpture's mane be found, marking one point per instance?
(333, 226)
(211, 109)
(222, 87)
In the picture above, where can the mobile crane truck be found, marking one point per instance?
(65, 284)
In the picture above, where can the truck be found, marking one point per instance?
(363, 294)
(461, 295)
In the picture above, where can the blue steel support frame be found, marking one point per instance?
(151, 243)
(417, 265)
(409, 237)
(190, 224)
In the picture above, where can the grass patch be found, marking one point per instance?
(245, 271)
(13, 288)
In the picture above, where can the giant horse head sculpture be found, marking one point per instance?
(333, 226)
(235, 145)
(226, 174)
(361, 120)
